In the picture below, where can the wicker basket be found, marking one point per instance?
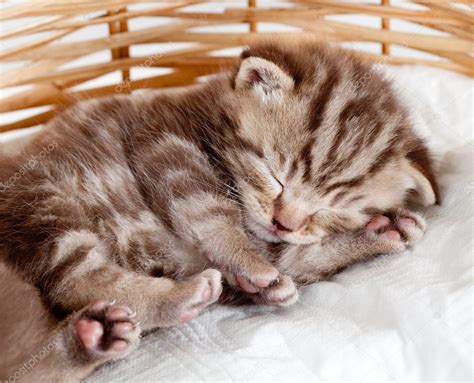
(40, 82)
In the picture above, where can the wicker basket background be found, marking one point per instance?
(39, 80)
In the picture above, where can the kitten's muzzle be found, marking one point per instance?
(278, 226)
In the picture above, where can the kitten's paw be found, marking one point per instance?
(282, 292)
(105, 331)
(262, 277)
(198, 293)
(396, 229)
(411, 226)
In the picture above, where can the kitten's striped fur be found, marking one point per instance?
(284, 160)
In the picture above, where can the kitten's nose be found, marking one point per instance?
(287, 219)
(279, 226)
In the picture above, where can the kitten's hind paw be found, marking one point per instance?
(102, 332)
(282, 292)
(411, 226)
(398, 226)
(260, 277)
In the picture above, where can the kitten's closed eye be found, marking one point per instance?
(277, 185)
(322, 211)
(277, 180)
(262, 179)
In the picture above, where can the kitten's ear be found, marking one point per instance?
(263, 77)
(425, 184)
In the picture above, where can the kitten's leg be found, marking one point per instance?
(390, 233)
(79, 275)
(86, 339)
(227, 247)
(56, 249)
(183, 189)
(36, 348)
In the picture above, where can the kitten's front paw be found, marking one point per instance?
(198, 293)
(260, 277)
(397, 229)
(282, 292)
(104, 332)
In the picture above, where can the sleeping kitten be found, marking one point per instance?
(283, 161)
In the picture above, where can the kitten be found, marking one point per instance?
(35, 348)
(275, 174)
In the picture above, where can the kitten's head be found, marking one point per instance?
(321, 142)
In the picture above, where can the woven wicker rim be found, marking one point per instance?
(50, 87)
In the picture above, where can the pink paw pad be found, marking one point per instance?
(255, 286)
(246, 285)
(398, 226)
(407, 221)
(104, 328)
(200, 292)
(378, 222)
(262, 283)
(279, 292)
(382, 225)
(189, 315)
(90, 332)
(393, 235)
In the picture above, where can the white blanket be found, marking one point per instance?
(401, 317)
